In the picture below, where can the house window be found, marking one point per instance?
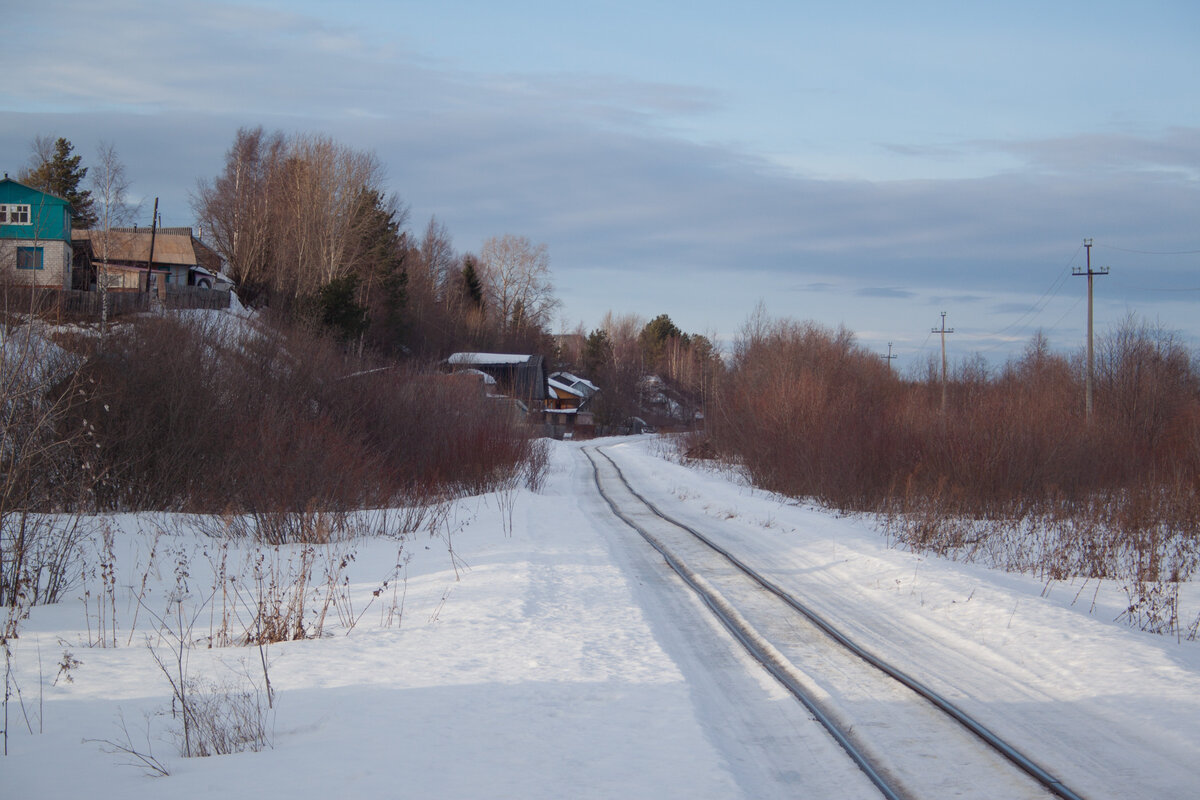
(12, 214)
(29, 258)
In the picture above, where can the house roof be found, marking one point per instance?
(560, 390)
(582, 386)
(489, 359)
(172, 247)
(523, 376)
(15, 184)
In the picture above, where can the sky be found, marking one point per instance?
(868, 165)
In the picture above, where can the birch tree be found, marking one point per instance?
(516, 274)
(287, 214)
(234, 210)
(109, 188)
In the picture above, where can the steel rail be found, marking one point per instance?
(1026, 764)
(740, 631)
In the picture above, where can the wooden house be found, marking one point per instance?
(129, 257)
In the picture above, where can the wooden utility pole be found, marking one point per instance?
(150, 258)
(943, 331)
(1087, 243)
(889, 357)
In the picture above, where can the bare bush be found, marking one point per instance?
(214, 718)
(1011, 472)
(285, 427)
(140, 756)
(39, 390)
(224, 718)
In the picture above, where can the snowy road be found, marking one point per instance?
(552, 656)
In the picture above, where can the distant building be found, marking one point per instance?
(132, 255)
(35, 237)
(520, 377)
(567, 401)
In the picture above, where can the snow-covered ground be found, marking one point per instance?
(533, 649)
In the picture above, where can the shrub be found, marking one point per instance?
(1012, 469)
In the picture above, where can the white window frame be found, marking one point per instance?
(15, 214)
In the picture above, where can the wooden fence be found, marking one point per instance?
(72, 302)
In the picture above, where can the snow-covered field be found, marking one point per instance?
(532, 649)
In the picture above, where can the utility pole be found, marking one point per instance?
(1087, 243)
(889, 357)
(943, 331)
(150, 258)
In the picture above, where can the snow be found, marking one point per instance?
(532, 647)
(487, 358)
(478, 373)
(561, 390)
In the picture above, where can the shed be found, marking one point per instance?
(521, 377)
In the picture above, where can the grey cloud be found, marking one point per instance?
(885, 292)
(584, 164)
(1015, 308)
(958, 299)
(1175, 151)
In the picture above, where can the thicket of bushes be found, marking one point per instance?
(207, 417)
(808, 412)
(1012, 467)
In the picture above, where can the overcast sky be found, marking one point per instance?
(869, 165)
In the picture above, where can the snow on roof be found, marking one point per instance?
(575, 381)
(487, 379)
(558, 389)
(487, 358)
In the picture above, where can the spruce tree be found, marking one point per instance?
(472, 285)
(59, 174)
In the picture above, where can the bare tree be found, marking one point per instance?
(438, 259)
(109, 187)
(234, 209)
(288, 214)
(517, 275)
(324, 185)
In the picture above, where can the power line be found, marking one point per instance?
(1179, 289)
(1152, 252)
(1039, 306)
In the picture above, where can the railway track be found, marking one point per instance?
(909, 740)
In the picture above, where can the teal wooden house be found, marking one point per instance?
(35, 237)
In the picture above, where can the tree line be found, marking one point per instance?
(307, 230)
(305, 226)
